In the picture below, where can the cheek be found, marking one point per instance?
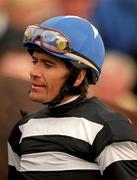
(54, 83)
(55, 79)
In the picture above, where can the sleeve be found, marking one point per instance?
(13, 164)
(118, 161)
(116, 149)
(13, 154)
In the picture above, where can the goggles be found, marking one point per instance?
(56, 42)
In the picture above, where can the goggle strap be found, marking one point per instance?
(82, 60)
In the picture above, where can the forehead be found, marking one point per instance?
(46, 56)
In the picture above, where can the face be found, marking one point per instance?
(47, 76)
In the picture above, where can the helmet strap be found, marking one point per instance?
(66, 87)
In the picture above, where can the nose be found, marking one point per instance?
(35, 72)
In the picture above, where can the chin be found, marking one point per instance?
(37, 98)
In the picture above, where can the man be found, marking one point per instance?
(72, 137)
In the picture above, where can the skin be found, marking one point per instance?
(47, 76)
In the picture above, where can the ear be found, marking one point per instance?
(80, 78)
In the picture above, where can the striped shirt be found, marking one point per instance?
(81, 139)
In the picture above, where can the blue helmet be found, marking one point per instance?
(86, 45)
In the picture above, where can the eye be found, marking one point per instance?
(34, 61)
(48, 64)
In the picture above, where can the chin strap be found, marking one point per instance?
(66, 87)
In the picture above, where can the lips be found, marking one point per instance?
(37, 85)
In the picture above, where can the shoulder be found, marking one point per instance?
(116, 127)
(115, 123)
(93, 109)
(25, 119)
(41, 113)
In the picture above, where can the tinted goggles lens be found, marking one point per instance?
(48, 38)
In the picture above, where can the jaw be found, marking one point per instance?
(41, 95)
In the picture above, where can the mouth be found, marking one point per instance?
(35, 85)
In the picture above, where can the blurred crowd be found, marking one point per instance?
(117, 87)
